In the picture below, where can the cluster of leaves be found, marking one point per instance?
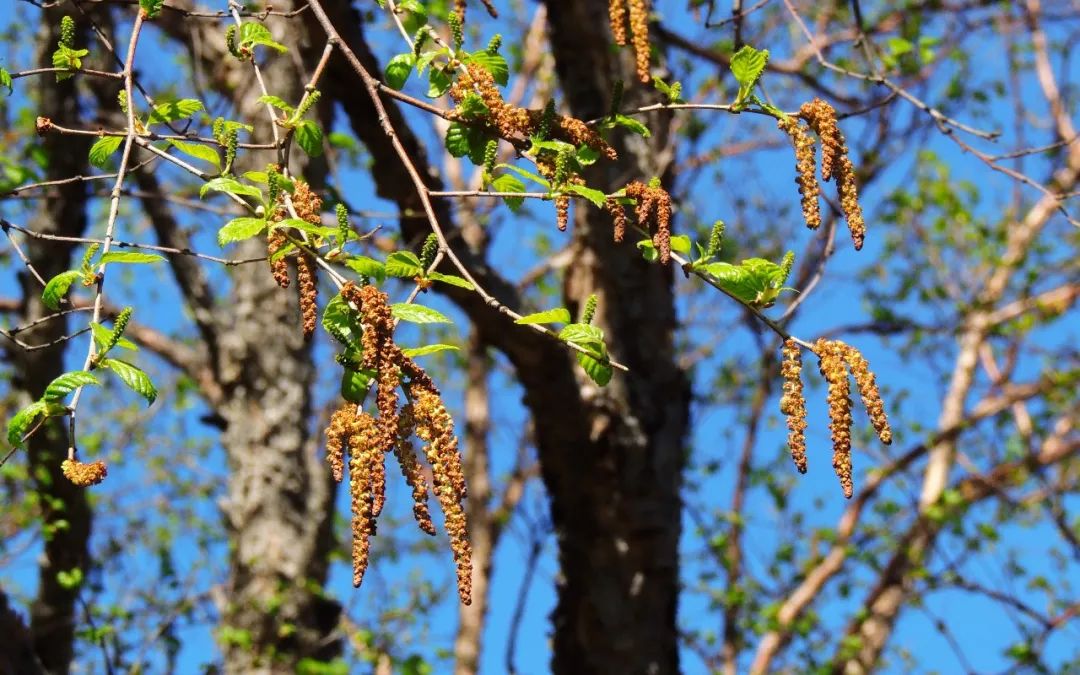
(594, 360)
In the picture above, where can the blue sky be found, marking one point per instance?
(816, 494)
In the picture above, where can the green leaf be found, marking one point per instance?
(586, 336)
(629, 123)
(648, 251)
(21, 422)
(175, 110)
(528, 175)
(230, 186)
(493, 63)
(198, 151)
(366, 266)
(304, 226)
(131, 257)
(557, 315)
(403, 264)
(398, 70)
(134, 377)
(508, 183)
(70, 580)
(5, 81)
(457, 140)
(599, 370)
(278, 103)
(438, 83)
(681, 243)
(472, 106)
(747, 65)
(252, 34)
(597, 197)
(68, 58)
(451, 279)
(58, 287)
(354, 384)
(755, 281)
(67, 383)
(103, 148)
(102, 335)
(239, 229)
(418, 314)
(429, 349)
(339, 321)
(310, 138)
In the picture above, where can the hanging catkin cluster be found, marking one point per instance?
(638, 11)
(653, 211)
(308, 206)
(835, 360)
(367, 440)
(835, 162)
(83, 474)
(806, 170)
(515, 122)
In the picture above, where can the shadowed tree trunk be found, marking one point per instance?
(65, 514)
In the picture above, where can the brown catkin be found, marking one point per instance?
(617, 15)
(793, 403)
(278, 268)
(822, 119)
(653, 208)
(434, 426)
(848, 190)
(361, 465)
(639, 24)
(562, 211)
(618, 217)
(412, 471)
(831, 363)
(307, 284)
(337, 435)
(84, 474)
(806, 170)
(868, 391)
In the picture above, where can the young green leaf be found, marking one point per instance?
(175, 110)
(103, 148)
(58, 287)
(599, 370)
(557, 315)
(367, 267)
(339, 321)
(5, 81)
(438, 83)
(198, 151)
(403, 264)
(131, 257)
(67, 383)
(23, 420)
(398, 70)
(239, 229)
(429, 349)
(354, 384)
(278, 103)
(628, 123)
(451, 279)
(102, 335)
(252, 34)
(508, 183)
(309, 137)
(493, 63)
(528, 175)
(597, 197)
(747, 65)
(134, 377)
(681, 243)
(231, 186)
(418, 313)
(151, 7)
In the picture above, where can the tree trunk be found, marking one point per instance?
(65, 513)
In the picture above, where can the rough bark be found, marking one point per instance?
(279, 504)
(65, 514)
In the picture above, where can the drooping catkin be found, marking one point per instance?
(412, 471)
(654, 211)
(435, 427)
(308, 286)
(868, 391)
(279, 268)
(835, 162)
(562, 212)
(832, 366)
(806, 170)
(361, 467)
(618, 217)
(617, 16)
(793, 403)
(84, 474)
(639, 24)
(337, 437)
